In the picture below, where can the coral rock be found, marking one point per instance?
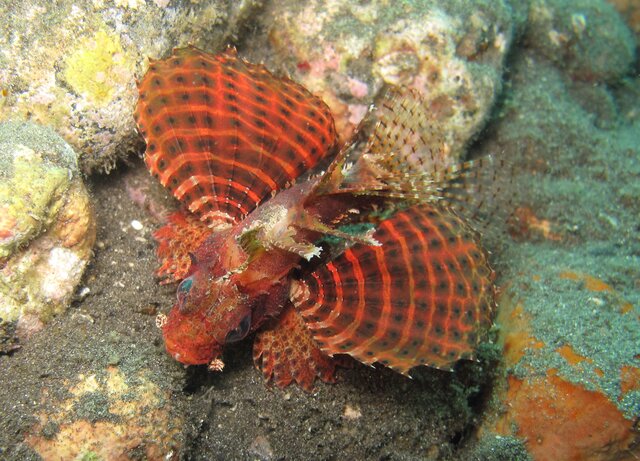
(452, 52)
(72, 65)
(47, 228)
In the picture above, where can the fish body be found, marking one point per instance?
(242, 149)
(238, 278)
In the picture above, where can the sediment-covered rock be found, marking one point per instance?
(588, 38)
(47, 226)
(568, 313)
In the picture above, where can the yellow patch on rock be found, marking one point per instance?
(98, 66)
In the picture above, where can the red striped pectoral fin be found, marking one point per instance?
(223, 134)
(286, 353)
(180, 236)
(423, 297)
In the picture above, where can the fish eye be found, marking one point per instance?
(185, 285)
(240, 331)
(183, 291)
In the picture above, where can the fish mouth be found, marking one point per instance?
(193, 354)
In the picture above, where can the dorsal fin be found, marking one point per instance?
(406, 158)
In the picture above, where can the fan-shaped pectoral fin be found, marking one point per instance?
(423, 297)
(286, 353)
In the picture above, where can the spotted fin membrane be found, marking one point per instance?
(420, 298)
(406, 158)
(286, 353)
(181, 236)
(224, 135)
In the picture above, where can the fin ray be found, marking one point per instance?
(286, 353)
(424, 297)
(224, 135)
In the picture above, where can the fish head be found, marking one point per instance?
(209, 313)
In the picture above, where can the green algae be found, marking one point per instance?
(31, 197)
(89, 456)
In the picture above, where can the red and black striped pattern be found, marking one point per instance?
(223, 134)
(423, 297)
